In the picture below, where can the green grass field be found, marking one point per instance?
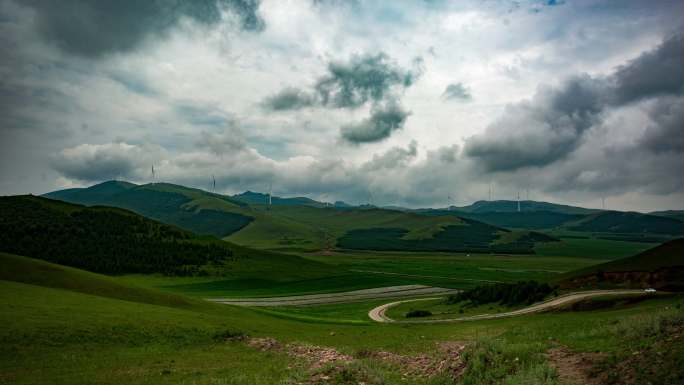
(73, 338)
(362, 270)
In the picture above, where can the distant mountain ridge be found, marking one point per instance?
(511, 206)
(304, 224)
(165, 202)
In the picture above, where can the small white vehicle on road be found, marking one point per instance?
(650, 290)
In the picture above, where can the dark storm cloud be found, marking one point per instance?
(540, 131)
(98, 162)
(667, 132)
(362, 79)
(96, 28)
(658, 72)
(290, 98)
(383, 121)
(393, 158)
(552, 125)
(457, 91)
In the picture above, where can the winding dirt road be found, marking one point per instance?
(378, 314)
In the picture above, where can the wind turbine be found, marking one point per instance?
(214, 184)
(153, 176)
(270, 194)
(518, 201)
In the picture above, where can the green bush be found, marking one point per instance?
(418, 313)
(524, 292)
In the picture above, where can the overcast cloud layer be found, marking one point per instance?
(407, 102)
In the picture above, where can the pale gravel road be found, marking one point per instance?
(344, 297)
(378, 314)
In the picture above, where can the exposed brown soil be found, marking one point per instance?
(325, 363)
(448, 360)
(574, 368)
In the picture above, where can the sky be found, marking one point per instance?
(411, 103)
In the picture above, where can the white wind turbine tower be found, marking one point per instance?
(518, 201)
(214, 184)
(270, 194)
(153, 174)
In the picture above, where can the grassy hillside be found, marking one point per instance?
(295, 224)
(470, 236)
(191, 209)
(50, 334)
(628, 223)
(531, 220)
(256, 198)
(37, 272)
(115, 241)
(660, 267)
(525, 205)
(676, 214)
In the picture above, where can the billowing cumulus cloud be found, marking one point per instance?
(383, 121)
(552, 125)
(290, 98)
(666, 133)
(657, 72)
(95, 162)
(96, 28)
(542, 130)
(457, 91)
(362, 79)
(395, 157)
(350, 84)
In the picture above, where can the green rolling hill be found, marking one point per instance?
(510, 206)
(661, 267)
(295, 224)
(41, 273)
(192, 209)
(612, 225)
(116, 241)
(676, 214)
(303, 224)
(628, 223)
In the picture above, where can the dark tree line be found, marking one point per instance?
(102, 240)
(524, 292)
(474, 237)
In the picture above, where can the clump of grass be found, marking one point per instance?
(229, 335)
(498, 361)
(418, 313)
(652, 353)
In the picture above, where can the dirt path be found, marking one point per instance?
(573, 368)
(344, 297)
(378, 314)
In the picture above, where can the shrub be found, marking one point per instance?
(506, 294)
(418, 313)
